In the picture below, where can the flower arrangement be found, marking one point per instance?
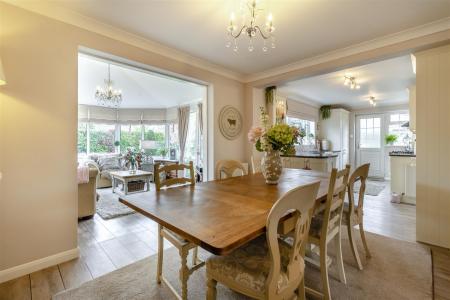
(279, 137)
(133, 158)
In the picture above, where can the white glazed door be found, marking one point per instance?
(369, 144)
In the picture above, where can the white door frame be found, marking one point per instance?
(381, 149)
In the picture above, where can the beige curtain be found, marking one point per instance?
(200, 129)
(183, 126)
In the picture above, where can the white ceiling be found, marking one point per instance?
(140, 89)
(304, 28)
(387, 81)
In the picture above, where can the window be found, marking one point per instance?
(308, 126)
(101, 138)
(82, 138)
(156, 133)
(370, 132)
(130, 137)
(173, 139)
(403, 134)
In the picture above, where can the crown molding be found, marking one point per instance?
(90, 24)
(73, 18)
(388, 40)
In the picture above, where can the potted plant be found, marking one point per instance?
(272, 140)
(163, 152)
(390, 139)
(133, 159)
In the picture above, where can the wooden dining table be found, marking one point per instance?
(221, 215)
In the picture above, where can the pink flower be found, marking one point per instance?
(255, 133)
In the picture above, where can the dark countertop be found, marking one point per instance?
(312, 155)
(402, 155)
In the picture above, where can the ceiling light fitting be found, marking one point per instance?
(351, 82)
(107, 95)
(372, 101)
(251, 29)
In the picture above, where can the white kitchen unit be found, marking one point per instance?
(322, 164)
(336, 129)
(403, 177)
(412, 108)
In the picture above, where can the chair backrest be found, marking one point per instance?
(299, 202)
(226, 168)
(161, 182)
(334, 204)
(361, 173)
(256, 165)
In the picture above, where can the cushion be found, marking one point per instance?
(250, 264)
(109, 163)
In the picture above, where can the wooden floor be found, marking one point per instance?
(108, 245)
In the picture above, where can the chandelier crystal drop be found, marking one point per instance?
(251, 29)
(107, 95)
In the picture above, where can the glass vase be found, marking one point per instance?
(271, 166)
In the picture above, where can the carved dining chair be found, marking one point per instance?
(256, 165)
(353, 212)
(182, 244)
(325, 227)
(226, 168)
(268, 267)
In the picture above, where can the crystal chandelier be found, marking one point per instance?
(251, 29)
(107, 95)
(349, 80)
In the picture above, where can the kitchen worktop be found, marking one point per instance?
(402, 154)
(312, 154)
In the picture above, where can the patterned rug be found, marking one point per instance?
(108, 205)
(397, 270)
(372, 188)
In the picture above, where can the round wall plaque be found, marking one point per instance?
(230, 122)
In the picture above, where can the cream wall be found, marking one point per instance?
(433, 146)
(38, 120)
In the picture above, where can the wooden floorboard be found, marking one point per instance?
(441, 273)
(45, 283)
(16, 289)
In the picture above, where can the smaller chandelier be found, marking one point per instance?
(351, 82)
(372, 101)
(107, 95)
(251, 29)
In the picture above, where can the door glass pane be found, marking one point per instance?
(370, 136)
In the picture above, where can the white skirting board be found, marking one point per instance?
(38, 264)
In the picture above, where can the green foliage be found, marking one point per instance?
(82, 138)
(101, 141)
(390, 139)
(325, 112)
(270, 94)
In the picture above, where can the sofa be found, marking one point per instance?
(106, 163)
(87, 195)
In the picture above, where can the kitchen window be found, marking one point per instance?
(404, 136)
(307, 125)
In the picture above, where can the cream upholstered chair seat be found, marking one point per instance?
(268, 267)
(249, 266)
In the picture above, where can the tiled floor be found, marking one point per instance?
(107, 245)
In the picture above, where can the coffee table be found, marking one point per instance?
(125, 177)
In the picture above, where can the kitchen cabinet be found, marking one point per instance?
(403, 177)
(336, 129)
(323, 164)
(412, 108)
